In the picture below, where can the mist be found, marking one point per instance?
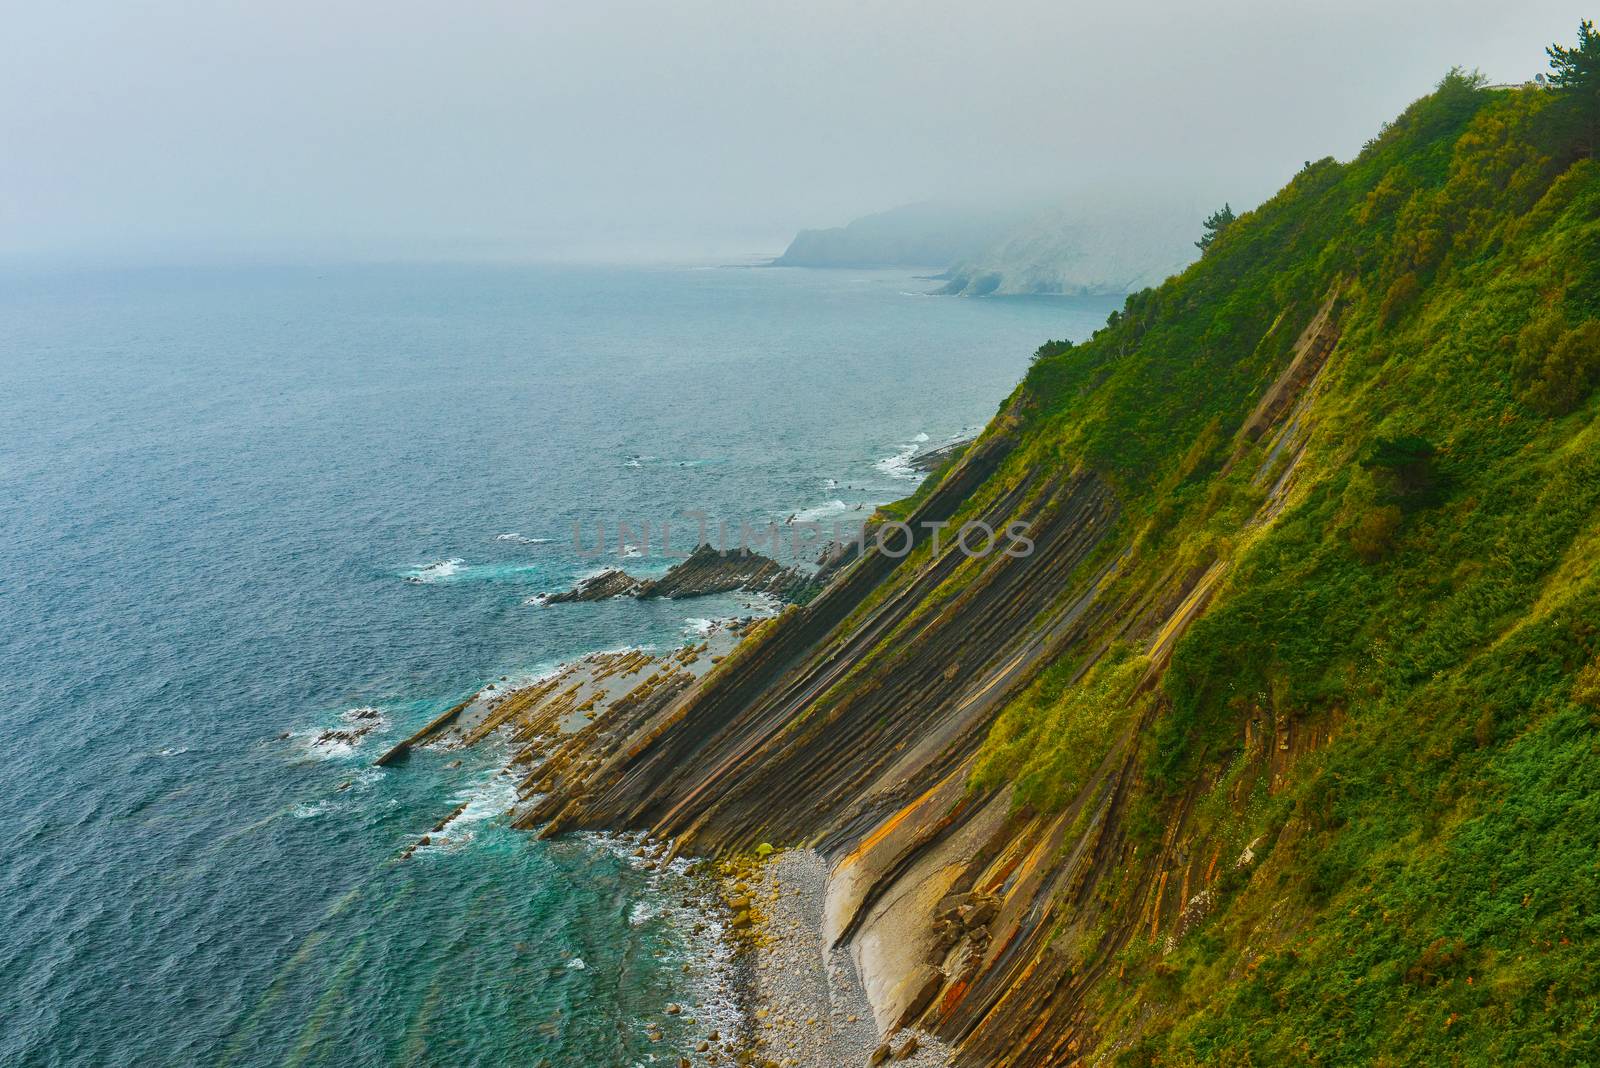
(497, 129)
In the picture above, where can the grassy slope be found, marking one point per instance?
(1431, 878)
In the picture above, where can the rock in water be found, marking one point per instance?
(706, 571)
(709, 570)
(612, 582)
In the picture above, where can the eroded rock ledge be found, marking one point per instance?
(707, 570)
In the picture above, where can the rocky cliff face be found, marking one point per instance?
(1279, 743)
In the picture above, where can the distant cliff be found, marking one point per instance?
(1088, 246)
(931, 235)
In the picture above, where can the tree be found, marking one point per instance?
(1051, 348)
(1215, 223)
(1576, 78)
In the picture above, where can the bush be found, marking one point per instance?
(1557, 369)
(1586, 688)
(1372, 534)
(1399, 297)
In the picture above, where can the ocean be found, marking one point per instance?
(242, 506)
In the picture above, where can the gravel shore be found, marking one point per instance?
(809, 1009)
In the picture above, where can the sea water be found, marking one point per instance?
(238, 505)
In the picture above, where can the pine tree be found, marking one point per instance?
(1576, 78)
(1215, 223)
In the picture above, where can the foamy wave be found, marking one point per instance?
(700, 628)
(631, 552)
(758, 603)
(456, 570)
(821, 511)
(899, 465)
(329, 750)
(691, 917)
(338, 743)
(522, 539)
(438, 571)
(488, 800)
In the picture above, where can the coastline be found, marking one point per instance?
(798, 1002)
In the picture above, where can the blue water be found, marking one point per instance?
(213, 488)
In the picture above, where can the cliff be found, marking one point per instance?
(1092, 245)
(1281, 745)
(930, 235)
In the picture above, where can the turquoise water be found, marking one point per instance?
(216, 485)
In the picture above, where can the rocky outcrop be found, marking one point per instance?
(612, 582)
(707, 570)
(930, 460)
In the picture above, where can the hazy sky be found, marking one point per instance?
(221, 128)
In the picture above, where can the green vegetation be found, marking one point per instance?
(1048, 742)
(1556, 368)
(1428, 885)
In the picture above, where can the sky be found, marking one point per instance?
(594, 129)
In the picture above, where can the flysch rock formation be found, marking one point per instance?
(850, 725)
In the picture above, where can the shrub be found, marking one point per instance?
(1372, 534)
(1586, 688)
(1441, 958)
(1402, 291)
(1556, 370)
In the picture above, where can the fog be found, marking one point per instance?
(352, 128)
